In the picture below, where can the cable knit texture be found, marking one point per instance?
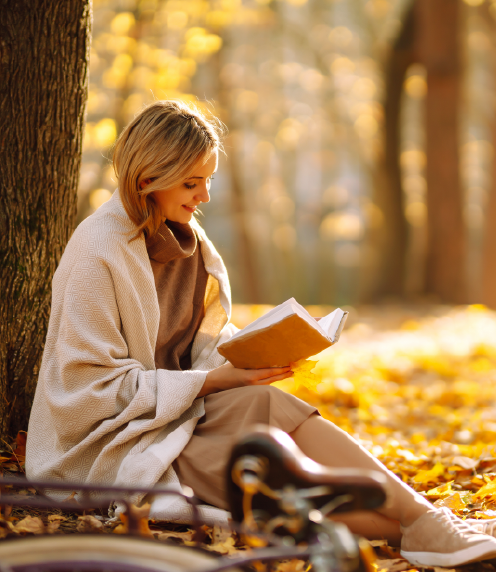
(102, 412)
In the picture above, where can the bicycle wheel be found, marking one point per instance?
(105, 553)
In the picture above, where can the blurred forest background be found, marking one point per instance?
(360, 147)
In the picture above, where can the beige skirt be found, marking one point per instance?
(229, 415)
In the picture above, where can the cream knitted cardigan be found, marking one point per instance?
(102, 413)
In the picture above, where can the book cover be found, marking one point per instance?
(277, 345)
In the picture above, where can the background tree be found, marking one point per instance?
(438, 45)
(44, 51)
(488, 282)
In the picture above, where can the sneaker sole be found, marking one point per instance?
(465, 556)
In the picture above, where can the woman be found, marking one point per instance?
(132, 390)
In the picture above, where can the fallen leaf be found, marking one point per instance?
(220, 534)
(389, 551)
(52, 526)
(430, 475)
(71, 497)
(465, 462)
(54, 517)
(487, 491)
(20, 450)
(440, 492)
(141, 514)
(378, 543)
(183, 536)
(303, 375)
(30, 525)
(89, 523)
(393, 565)
(289, 566)
(454, 502)
(225, 547)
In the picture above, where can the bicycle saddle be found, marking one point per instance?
(270, 455)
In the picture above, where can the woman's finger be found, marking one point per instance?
(269, 372)
(269, 380)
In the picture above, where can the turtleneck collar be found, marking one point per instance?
(173, 240)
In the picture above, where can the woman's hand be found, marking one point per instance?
(228, 377)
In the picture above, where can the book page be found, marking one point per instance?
(333, 324)
(277, 314)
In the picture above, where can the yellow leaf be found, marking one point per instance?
(429, 476)
(440, 492)
(488, 490)
(454, 502)
(303, 374)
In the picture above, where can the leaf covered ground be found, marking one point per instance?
(415, 386)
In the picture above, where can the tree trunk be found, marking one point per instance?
(439, 50)
(488, 278)
(389, 190)
(44, 52)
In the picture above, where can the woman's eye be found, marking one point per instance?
(190, 186)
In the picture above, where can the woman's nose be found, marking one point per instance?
(203, 194)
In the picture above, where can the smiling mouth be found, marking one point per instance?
(189, 209)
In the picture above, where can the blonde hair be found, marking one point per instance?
(164, 143)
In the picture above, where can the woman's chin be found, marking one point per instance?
(182, 217)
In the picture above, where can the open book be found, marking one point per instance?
(285, 334)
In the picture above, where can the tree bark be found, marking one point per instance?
(44, 52)
(488, 278)
(439, 50)
(389, 189)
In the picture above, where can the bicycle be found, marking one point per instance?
(279, 499)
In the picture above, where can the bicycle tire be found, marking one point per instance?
(99, 553)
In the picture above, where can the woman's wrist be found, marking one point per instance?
(209, 385)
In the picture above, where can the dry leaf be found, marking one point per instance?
(440, 492)
(20, 450)
(89, 523)
(430, 475)
(393, 565)
(220, 534)
(141, 514)
(290, 566)
(303, 374)
(53, 526)
(389, 551)
(454, 502)
(225, 547)
(30, 525)
(53, 517)
(378, 543)
(71, 497)
(183, 536)
(465, 462)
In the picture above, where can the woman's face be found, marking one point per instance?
(179, 203)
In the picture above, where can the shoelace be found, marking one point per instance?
(484, 526)
(453, 523)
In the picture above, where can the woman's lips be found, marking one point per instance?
(189, 209)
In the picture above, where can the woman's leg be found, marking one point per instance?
(328, 445)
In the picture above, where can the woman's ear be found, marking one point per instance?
(144, 184)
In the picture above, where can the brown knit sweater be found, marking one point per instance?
(181, 281)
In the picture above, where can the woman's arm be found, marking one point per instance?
(228, 377)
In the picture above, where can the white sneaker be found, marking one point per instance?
(439, 538)
(485, 526)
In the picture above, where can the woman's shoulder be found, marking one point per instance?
(104, 235)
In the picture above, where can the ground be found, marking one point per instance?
(415, 385)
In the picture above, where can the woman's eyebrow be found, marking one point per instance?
(198, 177)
